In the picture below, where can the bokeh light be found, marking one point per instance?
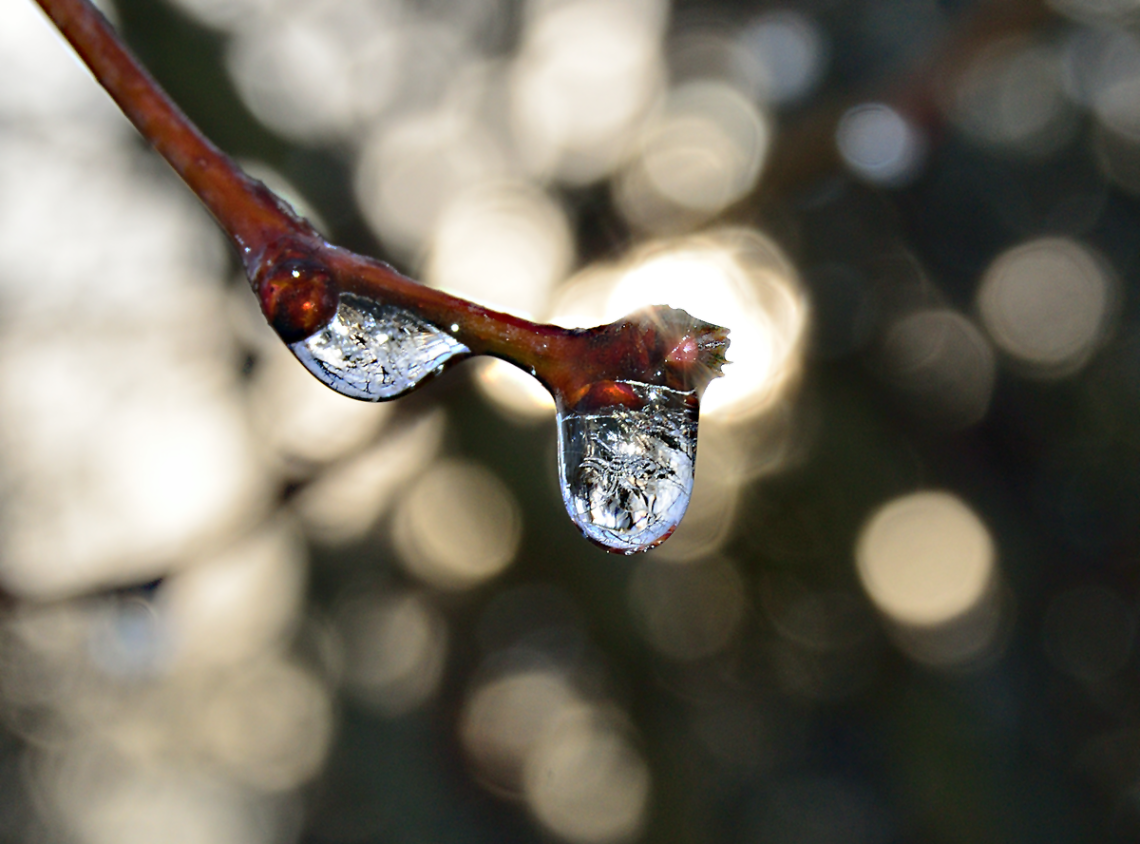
(269, 725)
(792, 52)
(1011, 97)
(1096, 11)
(703, 152)
(237, 604)
(413, 167)
(1100, 66)
(586, 74)
(929, 565)
(395, 646)
(580, 301)
(1102, 73)
(688, 612)
(713, 53)
(506, 716)
(502, 245)
(585, 780)
(941, 365)
(230, 14)
(925, 558)
(100, 800)
(537, 724)
(320, 72)
(1047, 304)
(145, 474)
(457, 526)
(299, 421)
(31, 49)
(239, 608)
(738, 279)
(880, 145)
(514, 392)
(343, 504)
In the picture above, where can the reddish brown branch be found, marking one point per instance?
(298, 276)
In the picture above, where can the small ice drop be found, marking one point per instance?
(374, 351)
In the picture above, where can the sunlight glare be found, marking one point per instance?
(739, 279)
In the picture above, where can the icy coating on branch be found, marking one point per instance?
(376, 352)
(626, 469)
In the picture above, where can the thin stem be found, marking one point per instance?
(298, 276)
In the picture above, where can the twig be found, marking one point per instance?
(299, 276)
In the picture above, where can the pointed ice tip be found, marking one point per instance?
(694, 347)
(713, 345)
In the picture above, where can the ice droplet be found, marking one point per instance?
(626, 467)
(374, 351)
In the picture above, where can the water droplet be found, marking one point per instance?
(374, 351)
(625, 463)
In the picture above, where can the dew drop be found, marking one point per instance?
(374, 351)
(625, 463)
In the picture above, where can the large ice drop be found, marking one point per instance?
(626, 468)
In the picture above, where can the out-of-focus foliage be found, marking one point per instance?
(904, 602)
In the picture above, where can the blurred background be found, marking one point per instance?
(903, 605)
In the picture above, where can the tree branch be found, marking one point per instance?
(299, 277)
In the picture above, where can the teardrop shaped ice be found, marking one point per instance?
(626, 466)
(374, 351)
